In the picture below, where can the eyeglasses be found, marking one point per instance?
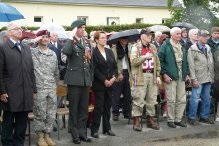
(16, 28)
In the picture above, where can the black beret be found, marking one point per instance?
(77, 23)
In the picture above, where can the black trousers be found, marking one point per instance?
(122, 87)
(102, 108)
(78, 97)
(13, 128)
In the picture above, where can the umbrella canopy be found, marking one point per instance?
(53, 27)
(9, 13)
(183, 25)
(132, 35)
(161, 28)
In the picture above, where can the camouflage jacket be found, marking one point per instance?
(45, 68)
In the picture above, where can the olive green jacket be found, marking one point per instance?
(79, 72)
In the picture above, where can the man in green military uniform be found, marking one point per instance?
(78, 77)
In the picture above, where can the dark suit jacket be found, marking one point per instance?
(16, 77)
(79, 72)
(103, 69)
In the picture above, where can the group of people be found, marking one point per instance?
(29, 76)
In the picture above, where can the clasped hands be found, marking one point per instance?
(4, 97)
(109, 83)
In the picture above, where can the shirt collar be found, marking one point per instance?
(201, 46)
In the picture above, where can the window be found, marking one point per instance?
(164, 20)
(38, 18)
(85, 18)
(139, 20)
(112, 20)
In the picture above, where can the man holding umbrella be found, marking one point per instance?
(146, 77)
(121, 54)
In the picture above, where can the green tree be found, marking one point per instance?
(201, 13)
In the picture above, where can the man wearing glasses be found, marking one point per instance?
(17, 86)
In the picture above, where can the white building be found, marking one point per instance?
(94, 12)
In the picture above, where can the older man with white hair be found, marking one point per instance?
(17, 86)
(157, 36)
(174, 69)
(193, 38)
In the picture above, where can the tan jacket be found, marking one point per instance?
(119, 61)
(119, 64)
(201, 67)
(136, 63)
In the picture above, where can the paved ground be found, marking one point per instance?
(200, 135)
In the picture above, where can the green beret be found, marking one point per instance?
(77, 23)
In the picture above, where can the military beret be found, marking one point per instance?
(77, 23)
(42, 32)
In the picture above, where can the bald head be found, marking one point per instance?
(14, 31)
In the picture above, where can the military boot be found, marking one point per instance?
(48, 140)
(41, 141)
(137, 124)
(151, 123)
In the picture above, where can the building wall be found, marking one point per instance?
(65, 14)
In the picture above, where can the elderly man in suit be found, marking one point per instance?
(17, 86)
(78, 77)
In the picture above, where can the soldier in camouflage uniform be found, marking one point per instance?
(45, 101)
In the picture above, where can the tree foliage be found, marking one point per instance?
(201, 13)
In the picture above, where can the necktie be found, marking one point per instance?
(80, 41)
(18, 45)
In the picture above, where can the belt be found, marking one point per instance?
(148, 71)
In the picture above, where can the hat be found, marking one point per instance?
(146, 31)
(42, 32)
(203, 33)
(77, 23)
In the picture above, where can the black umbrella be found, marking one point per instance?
(183, 25)
(132, 35)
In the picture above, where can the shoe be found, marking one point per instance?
(54, 128)
(109, 133)
(151, 123)
(206, 121)
(115, 117)
(165, 114)
(217, 120)
(181, 124)
(95, 135)
(127, 116)
(76, 141)
(192, 122)
(85, 139)
(171, 124)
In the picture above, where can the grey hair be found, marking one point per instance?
(174, 29)
(192, 32)
(157, 33)
(2, 35)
